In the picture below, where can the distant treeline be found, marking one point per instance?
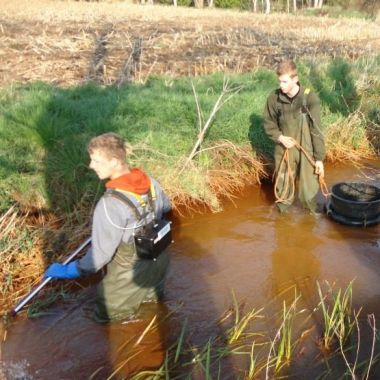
(367, 7)
(355, 8)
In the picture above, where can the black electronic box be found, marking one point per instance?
(153, 239)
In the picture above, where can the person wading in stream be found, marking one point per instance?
(292, 120)
(129, 279)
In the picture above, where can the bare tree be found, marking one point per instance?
(228, 92)
(294, 5)
(267, 6)
(254, 5)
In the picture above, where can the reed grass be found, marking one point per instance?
(252, 370)
(238, 331)
(337, 315)
(268, 360)
(285, 345)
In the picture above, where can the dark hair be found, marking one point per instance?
(110, 144)
(287, 67)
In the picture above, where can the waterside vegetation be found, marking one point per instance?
(293, 345)
(47, 191)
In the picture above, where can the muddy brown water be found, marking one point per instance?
(248, 249)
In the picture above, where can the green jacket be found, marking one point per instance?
(282, 116)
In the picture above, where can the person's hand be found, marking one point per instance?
(319, 168)
(286, 141)
(61, 271)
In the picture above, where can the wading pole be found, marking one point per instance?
(21, 304)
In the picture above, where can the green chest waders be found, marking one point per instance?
(301, 168)
(128, 282)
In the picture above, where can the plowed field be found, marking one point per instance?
(66, 43)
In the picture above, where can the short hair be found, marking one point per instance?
(110, 144)
(287, 67)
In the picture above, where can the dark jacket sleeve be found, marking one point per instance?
(317, 138)
(271, 126)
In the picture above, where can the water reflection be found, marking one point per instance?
(137, 345)
(67, 345)
(294, 264)
(195, 268)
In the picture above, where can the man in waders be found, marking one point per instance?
(292, 120)
(132, 199)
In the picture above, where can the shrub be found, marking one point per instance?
(241, 4)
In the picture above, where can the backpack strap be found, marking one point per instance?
(121, 195)
(123, 198)
(152, 198)
(279, 109)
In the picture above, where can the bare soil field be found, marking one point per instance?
(67, 43)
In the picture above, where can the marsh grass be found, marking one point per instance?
(338, 316)
(281, 347)
(273, 358)
(285, 344)
(238, 331)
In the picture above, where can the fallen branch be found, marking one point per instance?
(227, 93)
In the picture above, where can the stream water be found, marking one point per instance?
(250, 252)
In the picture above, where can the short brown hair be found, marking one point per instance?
(110, 144)
(287, 67)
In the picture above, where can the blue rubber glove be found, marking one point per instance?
(61, 271)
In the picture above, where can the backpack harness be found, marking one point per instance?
(152, 239)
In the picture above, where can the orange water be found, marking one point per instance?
(249, 249)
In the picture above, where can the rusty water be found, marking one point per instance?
(248, 250)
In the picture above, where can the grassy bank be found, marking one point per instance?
(47, 190)
(44, 130)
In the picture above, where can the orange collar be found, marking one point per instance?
(136, 181)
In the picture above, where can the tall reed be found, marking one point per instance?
(338, 318)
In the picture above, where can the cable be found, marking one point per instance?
(289, 178)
